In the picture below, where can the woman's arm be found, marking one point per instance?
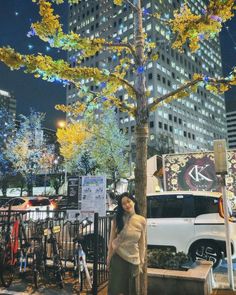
(112, 237)
(142, 244)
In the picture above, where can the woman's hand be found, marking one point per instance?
(141, 265)
(108, 263)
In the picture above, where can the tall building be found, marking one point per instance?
(8, 101)
(188, 124)
(231, 129)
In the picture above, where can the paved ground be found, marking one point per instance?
(25, 287)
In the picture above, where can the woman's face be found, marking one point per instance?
(127, 205)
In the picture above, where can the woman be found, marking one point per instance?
(126, 250)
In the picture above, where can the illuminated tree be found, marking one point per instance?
(109, 148)
(189, 28)
(95, 145)
(27, 149)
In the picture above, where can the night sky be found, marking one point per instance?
(15, 19)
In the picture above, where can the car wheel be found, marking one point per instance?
(206, 250)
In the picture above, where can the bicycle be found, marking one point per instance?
(51, 231)
(80, 264)
(38, 254)
(11, 249)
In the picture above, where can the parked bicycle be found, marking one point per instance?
(38, 254)
(14, 245)
(80, 265)
(50, 232)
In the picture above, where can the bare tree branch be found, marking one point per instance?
(131, 5)
(124, 45)
(172, 93)
(125, 82)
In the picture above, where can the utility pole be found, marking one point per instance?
(221, 167)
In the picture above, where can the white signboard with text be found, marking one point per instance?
(93, 196)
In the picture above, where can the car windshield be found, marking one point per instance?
(40, 202)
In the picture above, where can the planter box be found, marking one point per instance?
(195, 281)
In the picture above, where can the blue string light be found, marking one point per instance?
(216, 18)
(103, 85)
(140, 69)
(118, 39)
(146, 12)
(201, 36)
(31, 33)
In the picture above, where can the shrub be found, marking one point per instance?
(168, 259)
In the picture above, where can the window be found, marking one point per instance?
(170, 206)
(16, 202)
(151, 124)
(205, 205)
(160, 124)
(150, 76)
(154, 207)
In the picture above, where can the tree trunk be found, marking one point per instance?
(4, 187)
(141, 125)
(141, 185)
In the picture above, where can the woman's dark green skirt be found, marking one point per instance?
(123, 277)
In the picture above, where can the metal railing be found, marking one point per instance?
(95, 238)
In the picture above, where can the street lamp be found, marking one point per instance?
(61, 124)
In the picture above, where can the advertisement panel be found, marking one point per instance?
(73, 192)
(93, 196)
(196, 171)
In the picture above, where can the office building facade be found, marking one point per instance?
(187, 124)
(8, 101)
(231, 129)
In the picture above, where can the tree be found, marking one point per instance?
(189, 28)
(85, 164)
(95, 145)
(56, 182)
(108, 148)
(27, 149)
(6, 132)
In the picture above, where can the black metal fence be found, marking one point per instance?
(94, 243)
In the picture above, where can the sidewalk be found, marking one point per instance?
(223, 292)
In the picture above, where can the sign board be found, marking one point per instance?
(93, 196)
(196, 171)
(74, 192)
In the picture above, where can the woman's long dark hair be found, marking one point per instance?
(120, 211)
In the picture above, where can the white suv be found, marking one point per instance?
(191, 222)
